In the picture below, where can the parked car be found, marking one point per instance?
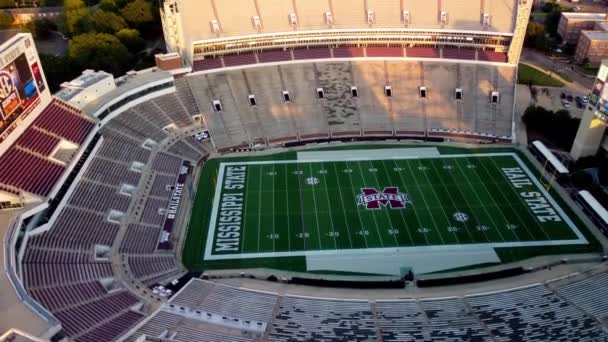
(579, 102)
(585, 99)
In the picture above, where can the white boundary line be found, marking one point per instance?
(212, 223)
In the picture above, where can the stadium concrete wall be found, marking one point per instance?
(338, 113)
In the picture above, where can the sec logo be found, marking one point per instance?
(6, 85)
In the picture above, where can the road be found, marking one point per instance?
(581, 83)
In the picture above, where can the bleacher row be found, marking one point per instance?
(67, 267)
(27, 163)
(286, 16)
(345, 52)
(535, 313)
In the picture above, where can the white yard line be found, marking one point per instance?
(447, 218)
(388, 217)
(426, 205)
(288, 214)
(401, 211)
(519, 218)
(260, 208)
(273, 208)
(373, 213)
(480, 201)
(343, 207)
(244, 211)
(453, 203)
(331, 219)
(352, 188)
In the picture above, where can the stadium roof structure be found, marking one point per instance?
(127, 86)
(76, 86)
(584, 16)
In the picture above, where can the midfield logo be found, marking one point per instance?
(390, 196)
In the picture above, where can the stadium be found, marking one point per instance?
(294, 171)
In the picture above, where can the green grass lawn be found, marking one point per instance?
(527, 74)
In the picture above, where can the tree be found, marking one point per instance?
(131, 39)
(70, 5)
(100, 51)
(57, 70)
(76, 21)
(108, 6)
(106, 22)
(138, 12)
(558, 127)
(535, 36)
(6, 19)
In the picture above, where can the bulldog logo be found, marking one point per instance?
(390, 196)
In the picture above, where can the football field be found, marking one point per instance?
(362, 201)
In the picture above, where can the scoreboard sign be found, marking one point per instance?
(599, 94)
(9, 99)
(23, 90)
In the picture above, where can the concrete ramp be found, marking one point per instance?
(397, 262)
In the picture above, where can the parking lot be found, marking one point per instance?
(551, 98)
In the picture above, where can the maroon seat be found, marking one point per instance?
(274, 56)
(29, 172)
(347, 52)
(313, 53)
(492, 56)
(206, 64)
(64, 121)
(242, 59)
(422, 52)
(384, 52)
(459, 54)
(38, 141)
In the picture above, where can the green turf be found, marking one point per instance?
(283, 213)
(531, 75)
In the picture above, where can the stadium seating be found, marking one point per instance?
(310, 319)
(140, 239)
(274, 56)
(422, 52)
(112, 329)
(64, 122)
(312, 53)
(227, 301)
(21, 170)
(152, 269)
(384, 52)
(491, 56)
(458, 54)
(38, 141)
(242, 59)
(179, 328)
(533, 314)
(206, 64)
(588, 294)
(182, 149)
(348, 52)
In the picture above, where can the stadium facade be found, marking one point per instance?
(96, 196)
(341, 68)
